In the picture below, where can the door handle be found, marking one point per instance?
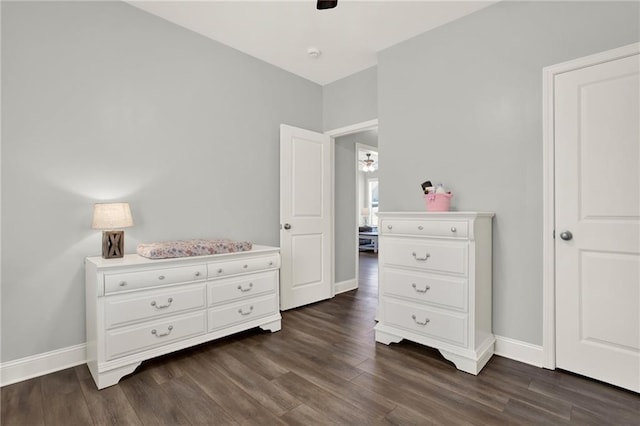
(566, 235)
(287, 226)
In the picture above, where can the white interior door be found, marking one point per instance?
(305, 217)
(597, 199)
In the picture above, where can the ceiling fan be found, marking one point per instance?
(326, 4)
(368, 165)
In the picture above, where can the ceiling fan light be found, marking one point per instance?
(326, 4)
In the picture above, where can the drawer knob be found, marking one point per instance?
(220, 270)
(271, 263)
(389, 227)
(426, 320)
(168, 332)
(244, 290)
(245, 266)
(241, 312)
(161, 277)
(420, 227)
(415, 256)
(123, 283)
(453, 229)
(155, 305)
(415, 287)
(197, 273)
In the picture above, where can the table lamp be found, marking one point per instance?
(111, 217)
(365, 213)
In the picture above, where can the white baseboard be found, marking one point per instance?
(518, 350)
(346, 285)
(41, 364)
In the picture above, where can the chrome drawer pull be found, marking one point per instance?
(420, 227)
(245, 266)
(161, 277)
(453, 229)
(271, 263)
(245, 313)
(415, 256)
(426, 320)
(220, 270)
(389, 227)
(155, 305)
(123, 283)
(244, 290)
(155, 333)
(415, 287)
(197, 273)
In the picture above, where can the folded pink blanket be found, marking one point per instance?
(184, 248)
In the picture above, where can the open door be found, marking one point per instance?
(305, 217)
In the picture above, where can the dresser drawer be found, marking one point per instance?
(425, 228)
(446, 327)
(114, 283)
(242, 312)
(144, 305)
(429, 255)
(124, 341)
(221, 269)
(448, 292)
(242, 287)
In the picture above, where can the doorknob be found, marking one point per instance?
(287, 226)
(566, 235)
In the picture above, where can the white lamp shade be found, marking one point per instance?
(111, 216)
(364, 211)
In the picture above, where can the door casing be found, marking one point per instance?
(548, 184)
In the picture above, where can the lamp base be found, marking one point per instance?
(112, 244)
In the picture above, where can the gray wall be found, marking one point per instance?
(350, 100)
(462, 104)
(102, 102)
(346, 200)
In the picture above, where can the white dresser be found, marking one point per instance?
(139, 308)
(435, 284)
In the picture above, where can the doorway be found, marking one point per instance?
(348, 204)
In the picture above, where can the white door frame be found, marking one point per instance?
(548, 189)
(343, 131)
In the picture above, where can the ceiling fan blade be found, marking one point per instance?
(326, 4)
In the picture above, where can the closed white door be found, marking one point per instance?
(305, 217)
(597, 198)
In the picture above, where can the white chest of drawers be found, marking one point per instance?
(435, 284)
(139, 308)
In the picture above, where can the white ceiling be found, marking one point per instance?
(280, 32)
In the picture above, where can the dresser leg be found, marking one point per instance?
(272, 326)
(387, 338)
(112, 377)
(468, 365)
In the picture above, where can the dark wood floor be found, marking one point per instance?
(323, 367)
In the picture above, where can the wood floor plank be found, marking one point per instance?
(22, 403)
(432, 410)
(197, 405)
(65, 402)
(261, 365)
(151, 403)
(262, 390)
(108, 406)
(240, 405)
(333, 408)
(303, 415)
